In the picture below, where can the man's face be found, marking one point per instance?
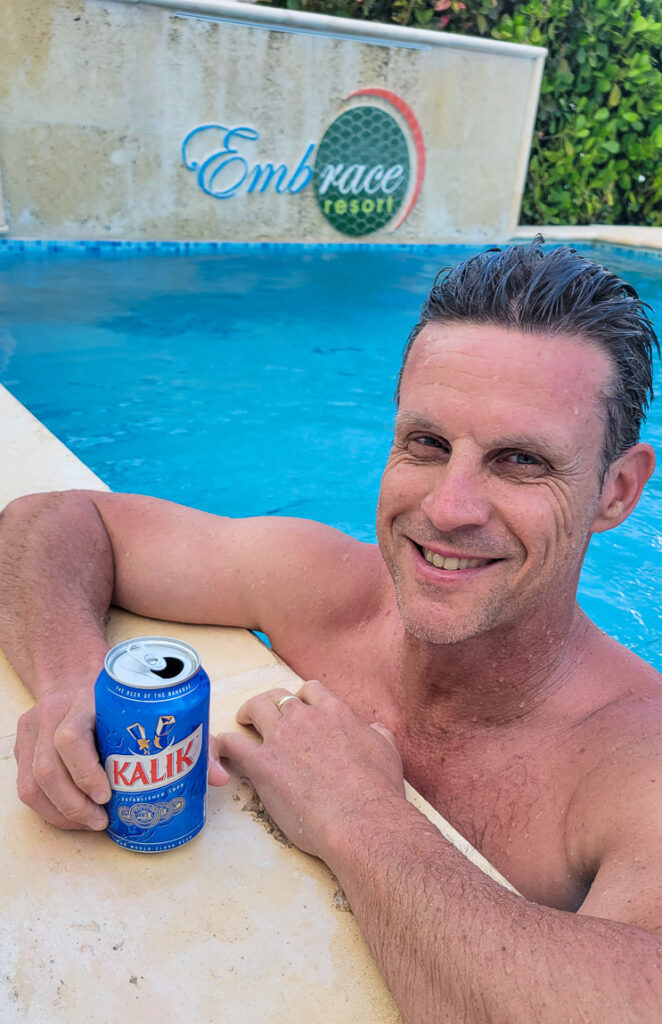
(492, 484)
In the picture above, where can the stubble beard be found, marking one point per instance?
(484, 618)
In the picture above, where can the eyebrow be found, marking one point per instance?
(528, 442)
(412, 419)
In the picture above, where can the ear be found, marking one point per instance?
(624, 482)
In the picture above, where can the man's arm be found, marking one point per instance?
(453, 945)
(56, 580)
(56, 577)
(65, 557)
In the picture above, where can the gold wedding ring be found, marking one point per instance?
(283, 700)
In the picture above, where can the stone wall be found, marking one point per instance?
(98, 96)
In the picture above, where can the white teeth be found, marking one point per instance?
(450, 563)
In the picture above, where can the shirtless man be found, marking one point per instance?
(538, 737)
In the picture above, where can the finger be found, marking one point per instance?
(74, 742)
(314, 693)
(261, 711)
(237, 748)
(378, 727)
(42, 806)
(32, 795)
(284, 702)
(58, 787)
(217, 775)
(28, 791)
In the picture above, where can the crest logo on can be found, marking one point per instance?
(137, 732)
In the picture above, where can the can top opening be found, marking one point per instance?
(151, 661)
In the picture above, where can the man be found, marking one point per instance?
(455, 653)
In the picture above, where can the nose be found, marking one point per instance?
(457, 497)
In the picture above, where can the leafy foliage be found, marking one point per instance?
(596, 155)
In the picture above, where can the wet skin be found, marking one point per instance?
(495, 457)
(501, 694)
(538, 737)
(521, 722)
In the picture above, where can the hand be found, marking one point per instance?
(59, 774)
(319, 765)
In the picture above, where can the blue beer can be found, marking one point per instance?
(152, 727)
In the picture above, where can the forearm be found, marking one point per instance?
(56, 580)
(455, 947)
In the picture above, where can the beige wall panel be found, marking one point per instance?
(97, 96)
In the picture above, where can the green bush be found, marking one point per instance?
(596, 155)
(598, 139)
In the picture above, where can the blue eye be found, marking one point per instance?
(533, 464)
(429, 442)
(524, 459)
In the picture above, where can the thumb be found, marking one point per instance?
(217, 774)
(378, 727)
(237, 748)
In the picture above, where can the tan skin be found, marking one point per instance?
(536, 735)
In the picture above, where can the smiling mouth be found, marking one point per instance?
(451, 563)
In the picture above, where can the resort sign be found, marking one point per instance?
(366, 172)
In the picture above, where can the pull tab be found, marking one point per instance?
(152, 662)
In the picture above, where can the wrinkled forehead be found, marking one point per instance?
(484, 359)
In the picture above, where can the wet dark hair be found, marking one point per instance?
(561, 292)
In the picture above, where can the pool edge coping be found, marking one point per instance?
(632, 236)
(640, 238)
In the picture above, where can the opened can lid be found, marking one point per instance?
(152, 661)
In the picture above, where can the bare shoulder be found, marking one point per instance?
(614, 821)
(619, 812)
(624, 716)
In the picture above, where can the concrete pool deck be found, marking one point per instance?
(635, 237)
(238, 926)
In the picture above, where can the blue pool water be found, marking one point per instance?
(257, 380)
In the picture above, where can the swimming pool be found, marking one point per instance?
(259, 380)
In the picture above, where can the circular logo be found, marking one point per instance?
(362, 170)
(147, 815)
(143, 815)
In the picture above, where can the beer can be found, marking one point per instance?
(152, 727)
